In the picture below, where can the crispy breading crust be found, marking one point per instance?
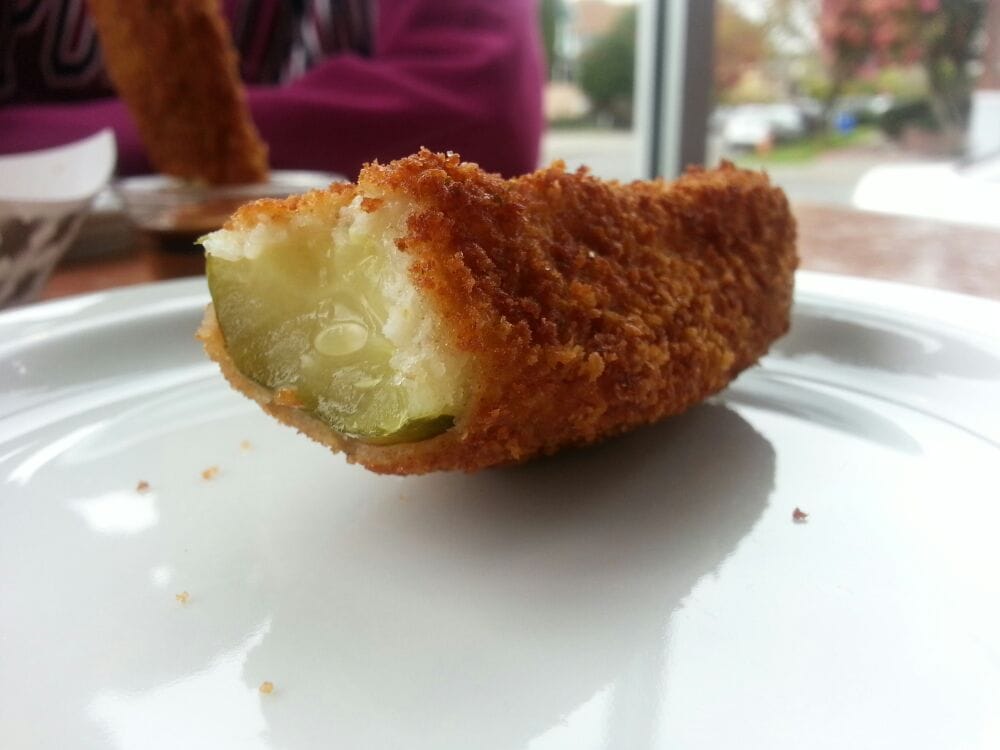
(174, 65)
(589, 307)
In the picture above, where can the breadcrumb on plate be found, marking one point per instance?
(210, 473)
(266, 687)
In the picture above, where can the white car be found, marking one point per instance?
(753, 125)
(788, 120)
(747, 129)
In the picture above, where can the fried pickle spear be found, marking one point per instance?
(174, 65)
(438, 317)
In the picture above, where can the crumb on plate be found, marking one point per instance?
(210, 473)
(143, 487)
(184, 597)
(266, 687)
(246, 446)
(799, 516)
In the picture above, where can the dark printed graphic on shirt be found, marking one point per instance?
(49, 49)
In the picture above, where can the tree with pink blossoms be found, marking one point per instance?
(861, 36)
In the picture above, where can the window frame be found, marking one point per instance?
(673, 84)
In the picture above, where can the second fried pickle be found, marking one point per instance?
(175, 67)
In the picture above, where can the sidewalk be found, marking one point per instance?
(610, 154)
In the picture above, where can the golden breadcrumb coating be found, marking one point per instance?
(589, 307)
(174, 65)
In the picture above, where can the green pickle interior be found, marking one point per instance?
(292, 318)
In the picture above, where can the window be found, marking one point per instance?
(890, 107)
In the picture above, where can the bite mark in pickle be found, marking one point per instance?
(307, 324)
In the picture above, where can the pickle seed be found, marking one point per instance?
(340, 338)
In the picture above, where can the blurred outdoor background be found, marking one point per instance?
(890, 105)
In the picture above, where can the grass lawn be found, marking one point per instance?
(810, 147)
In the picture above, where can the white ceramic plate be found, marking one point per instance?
(653, 592)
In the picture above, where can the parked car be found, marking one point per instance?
(788, 120)
(752, 126)
(747, 129)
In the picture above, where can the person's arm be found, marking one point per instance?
(459, 75)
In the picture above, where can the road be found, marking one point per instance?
(827, 180)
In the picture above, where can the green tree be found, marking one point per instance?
(607, 70)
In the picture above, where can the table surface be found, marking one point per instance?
(924, 252)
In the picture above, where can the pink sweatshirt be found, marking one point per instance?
(459, 75)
